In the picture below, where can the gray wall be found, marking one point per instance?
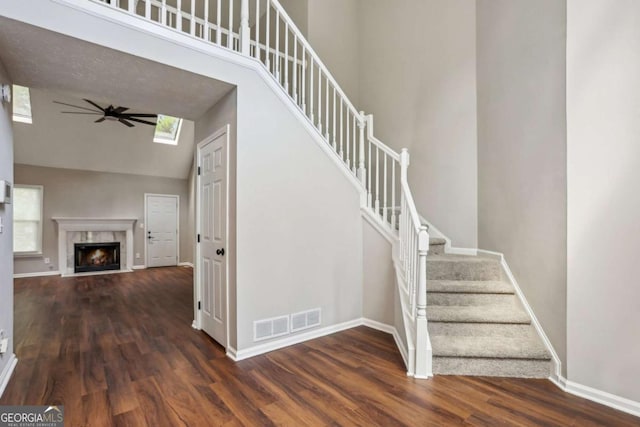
(6, 216)
(379, 282)
(225, 112)
(522, 150)
(75, 193)
(418, 78)
(603, 69)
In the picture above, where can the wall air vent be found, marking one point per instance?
(270, 328)
(305, 320)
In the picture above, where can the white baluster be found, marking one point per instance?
(245, 30)
(286, 56)
(319, 99)
(311, 90)
(334, 142)
(257, 49)
(163, 12)
(179, 15)
(369, 177)
(192, 20)
(295, 68)
(205, 28)
(355, 143)
(218, 23)
(377, 203)
(384, 189)
(393, 193)
(326, 106)
(147, 9)
(342, 129)
(132, 6)
(277, 47)
(361, 170)
(303, 86)
(348, 141)
(268, 36)
(230, 33)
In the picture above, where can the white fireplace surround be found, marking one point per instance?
(93, 224)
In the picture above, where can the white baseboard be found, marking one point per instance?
(604, 398)
(232, 353)
(139, 267)
(5, 376)
(185, 264)
(557, 364)
(194, 325)
(36, 274)
(294, 339)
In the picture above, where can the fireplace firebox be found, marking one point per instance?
(90, 257)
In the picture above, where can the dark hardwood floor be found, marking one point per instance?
(119, 350)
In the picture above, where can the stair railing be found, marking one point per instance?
(261, 29)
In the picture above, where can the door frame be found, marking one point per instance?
(146, 226)
(197, 283)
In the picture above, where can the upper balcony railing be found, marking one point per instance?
(261, 29)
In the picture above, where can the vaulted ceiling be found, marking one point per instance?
(67, 69)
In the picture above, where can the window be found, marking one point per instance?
(21, 104)
(167, 130)
(27, 219)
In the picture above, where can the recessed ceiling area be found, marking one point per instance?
(58, 67)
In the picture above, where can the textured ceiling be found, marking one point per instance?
(67, 69)
(42, 59)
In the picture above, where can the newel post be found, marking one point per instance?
(361, 172)
(245, 31)
(423, 351)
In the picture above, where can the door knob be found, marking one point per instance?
(220, 252)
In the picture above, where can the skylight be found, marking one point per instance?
(21, 104)
(167, 130)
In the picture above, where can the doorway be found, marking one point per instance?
(211, 234)
(162, 229)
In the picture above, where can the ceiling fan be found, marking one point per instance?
(111, 113)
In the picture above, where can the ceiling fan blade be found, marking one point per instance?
(100, 120)
(133, 119)
(74, 106)
(139, 115)
(124, 122)
(120, 110)
(82, 112)
(94, 104)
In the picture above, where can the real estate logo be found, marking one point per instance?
(31, 416)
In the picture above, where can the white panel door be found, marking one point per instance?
(162, 230)
(212, 231)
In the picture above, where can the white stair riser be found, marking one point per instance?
(491, 367)
(469, 299)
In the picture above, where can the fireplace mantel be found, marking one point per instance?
(93, 224)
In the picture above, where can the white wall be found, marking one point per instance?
(522, 195)
(418, 78)
(6, 237)
(379, 281)
(603, 177)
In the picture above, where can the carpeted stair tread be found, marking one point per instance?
(459, 258)
(525, 347)
(470, 286)
(437, 241)
(478, 314)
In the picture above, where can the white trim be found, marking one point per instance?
(5, 376)
(146, 224)
(139, 267)
(460, 251)
(557, 364)
(225, 130)
(602, 397)
(194, 325)
(386, 232)
(185, 264)
(36, 274)
(232, 353)
(293, 339)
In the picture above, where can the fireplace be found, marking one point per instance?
(89, 257)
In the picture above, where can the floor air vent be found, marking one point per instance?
(305, 320)
(270, 328)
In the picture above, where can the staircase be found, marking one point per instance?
(476, 323)
(458, 315)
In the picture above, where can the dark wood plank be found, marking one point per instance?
(119, 350)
